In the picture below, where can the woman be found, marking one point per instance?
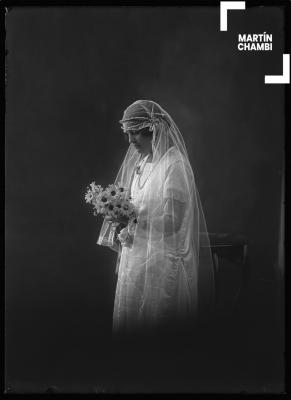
(165, 269)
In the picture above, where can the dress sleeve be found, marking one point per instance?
(176, 186)
(176, 196)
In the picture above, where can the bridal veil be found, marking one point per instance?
(168, 270)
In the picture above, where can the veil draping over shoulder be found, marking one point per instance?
(168, 271)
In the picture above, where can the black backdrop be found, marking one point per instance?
(71, 73)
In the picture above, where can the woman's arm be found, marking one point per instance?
(171, 220)
(173, 215)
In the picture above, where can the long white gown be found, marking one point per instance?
(160, 287)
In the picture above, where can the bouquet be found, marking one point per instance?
(114, 204)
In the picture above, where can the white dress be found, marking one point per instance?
(142, 301)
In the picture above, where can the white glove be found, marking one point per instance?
(123, 235)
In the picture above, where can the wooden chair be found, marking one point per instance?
(234, 248)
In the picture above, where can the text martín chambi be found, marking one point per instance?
(255, 42)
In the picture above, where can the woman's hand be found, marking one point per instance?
(125, 238)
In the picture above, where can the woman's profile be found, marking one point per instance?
(165, 269)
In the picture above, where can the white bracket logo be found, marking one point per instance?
(229, 5)
(241, 5)
(285, 78)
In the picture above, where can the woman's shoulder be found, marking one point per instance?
(178, 165)
(174, 156)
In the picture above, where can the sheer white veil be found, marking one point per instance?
(167, 235)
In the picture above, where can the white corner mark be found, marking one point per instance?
(229, 5)
(285, 78)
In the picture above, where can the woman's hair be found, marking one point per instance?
(144, 131)
(144, 113)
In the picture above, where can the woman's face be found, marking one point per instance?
(140, 140)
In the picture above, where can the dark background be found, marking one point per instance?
(71, 72)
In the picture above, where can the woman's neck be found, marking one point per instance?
(148, 157)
